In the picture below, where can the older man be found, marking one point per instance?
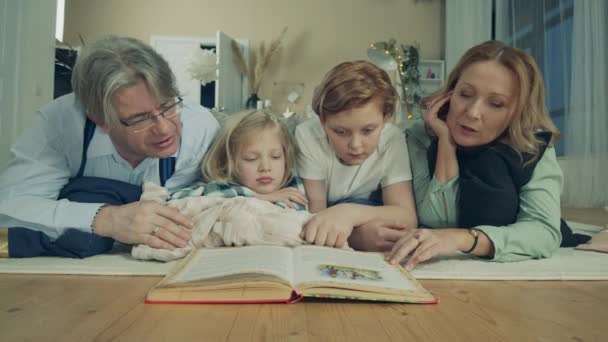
(124, 124)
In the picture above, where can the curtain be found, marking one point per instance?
(568, 40)
(586, 131)
(467, 23)
(27, 40)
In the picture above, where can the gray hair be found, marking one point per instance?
(114, 63)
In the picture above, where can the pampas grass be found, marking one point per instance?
(239, 60)
(263, 57)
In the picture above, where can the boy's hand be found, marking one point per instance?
(330, 227)
(378, 235)
(289, 196)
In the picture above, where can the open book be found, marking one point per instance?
(266, 274)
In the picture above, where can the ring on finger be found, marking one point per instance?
(155, 230)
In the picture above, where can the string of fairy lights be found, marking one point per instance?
(407, 58)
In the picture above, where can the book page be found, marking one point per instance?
(220, 262)
(315, 264)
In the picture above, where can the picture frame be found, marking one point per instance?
(431, 70)
(432, 75)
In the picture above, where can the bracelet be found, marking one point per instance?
(475, 234)
(95, 217)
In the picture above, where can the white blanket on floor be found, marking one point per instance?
(566, 264)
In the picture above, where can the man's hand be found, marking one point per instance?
(144, 222)
(289, 196)
(377, 235)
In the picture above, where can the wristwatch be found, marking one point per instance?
(475, 234)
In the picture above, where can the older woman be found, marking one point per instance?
(483, 159)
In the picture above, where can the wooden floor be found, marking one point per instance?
(85, 308)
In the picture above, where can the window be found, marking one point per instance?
(543, 29)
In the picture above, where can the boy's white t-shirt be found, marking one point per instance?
(388, 164)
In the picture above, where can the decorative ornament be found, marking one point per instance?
(203, 66)
(405, 58)
(255, 73)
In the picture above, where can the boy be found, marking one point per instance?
(351, 155)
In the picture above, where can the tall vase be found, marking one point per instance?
(252, 101)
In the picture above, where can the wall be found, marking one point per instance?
(321, 33)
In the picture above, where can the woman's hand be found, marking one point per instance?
(446, 166)
(289, 196)
(423, 244)
(144, 222)
(330, 227)
(432, 119)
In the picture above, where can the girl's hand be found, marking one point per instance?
(329, 227)
(289, 196)
(432, 119)
(422, 245)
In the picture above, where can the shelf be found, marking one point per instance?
(433, 68)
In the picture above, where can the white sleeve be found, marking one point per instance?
(309, 160)
(396, 161)
(30, 184)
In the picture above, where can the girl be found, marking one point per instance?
(252, 157)
(351, 154)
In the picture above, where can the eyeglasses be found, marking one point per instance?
(141, 122)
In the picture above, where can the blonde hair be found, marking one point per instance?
(353, 84)
(219, 163)
(531, 113)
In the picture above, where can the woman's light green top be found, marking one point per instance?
(535, 234)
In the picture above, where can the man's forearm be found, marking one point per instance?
(51, 217)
